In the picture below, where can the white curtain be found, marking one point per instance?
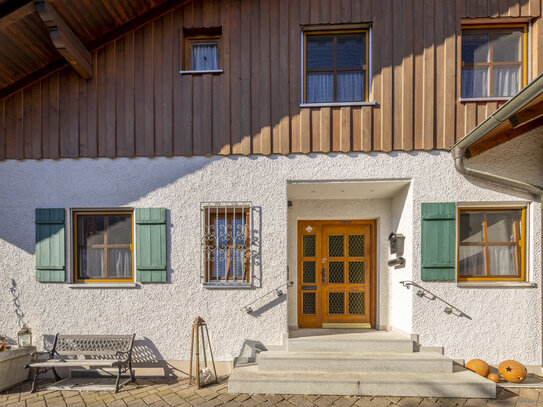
(320, 87)
(502, 260)
(92, 263)
(471, 261)
(349, 86)
(505, 80)
(204, 57)
(474, 82)
(120, 262)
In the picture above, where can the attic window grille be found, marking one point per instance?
(226, 242)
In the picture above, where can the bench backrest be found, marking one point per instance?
(92, 345)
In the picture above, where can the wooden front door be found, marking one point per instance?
(336, 274)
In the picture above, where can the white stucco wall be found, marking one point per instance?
(504, 322)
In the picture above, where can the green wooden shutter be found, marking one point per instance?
(151, 245)
(50, 248)
(438, 241)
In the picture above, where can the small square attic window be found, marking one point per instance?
(202, 51)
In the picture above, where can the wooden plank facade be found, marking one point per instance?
(138, 104)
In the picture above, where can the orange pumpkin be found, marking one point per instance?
(479, 366)
(493, 377)
(512, 371)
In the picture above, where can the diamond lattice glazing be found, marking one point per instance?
(309, 272)
(336, 272)
(335, 246)
(356, 303)
(356, 272)
(336, 303)
(308, 245)
(308, 303)
(356, 245)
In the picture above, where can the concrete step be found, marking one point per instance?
(273, 361)
(460, 383)
(367, 341)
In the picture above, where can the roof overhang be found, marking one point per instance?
(520, 115)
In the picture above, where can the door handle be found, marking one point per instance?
(323, 275)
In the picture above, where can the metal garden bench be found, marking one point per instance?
(90, 351)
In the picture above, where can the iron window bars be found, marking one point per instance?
(226, 243)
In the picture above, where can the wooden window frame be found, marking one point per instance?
(210, 215)
(190, 40)
(519, 243)
(105, 246)
(493, 29)
(335, 34)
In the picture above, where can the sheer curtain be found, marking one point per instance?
(505, 80)
(204, 57)
(474, 82)
(92, 262)
(349, 86)
(472, 261)
(320, 87)
(502, 260)
(120, 262)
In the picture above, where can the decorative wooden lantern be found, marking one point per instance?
(24, 337)
(199, 372)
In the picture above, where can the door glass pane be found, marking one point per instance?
(471, 227)
(309, 274)
(474, 82)
(350, 51)
(320, 87)
(356, 303)
(336, 303)
(506, 46)
(500, 226)
(506, 80)
(336, 272)
(356, 272)
(320, 52)
(308, 303)
(335, 246)
(119, 229)
(119, 263)
(475, 47)
(350, 86)
(308, 246)
(502, 260)
(356, 245)
(472, 262)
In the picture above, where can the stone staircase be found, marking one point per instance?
(362, 362)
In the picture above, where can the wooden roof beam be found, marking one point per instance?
(64, 39)
(16, 15)
(526, 116)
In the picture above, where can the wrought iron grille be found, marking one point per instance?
(226, 242)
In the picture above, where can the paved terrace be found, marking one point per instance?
(173, 392)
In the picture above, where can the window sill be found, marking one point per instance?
(334, 104)
(201, 72)
(103, 285)
(496, 284)
(227, 285)
(489, 99)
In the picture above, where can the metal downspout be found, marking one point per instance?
(525, 96)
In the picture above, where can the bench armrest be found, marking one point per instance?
(123, 357)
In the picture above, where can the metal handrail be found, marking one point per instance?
(278, 291)
(421, 292)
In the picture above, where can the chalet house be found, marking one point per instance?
(167, 159)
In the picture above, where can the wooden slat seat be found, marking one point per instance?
(90, 351)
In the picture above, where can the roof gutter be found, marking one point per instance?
(458, 151)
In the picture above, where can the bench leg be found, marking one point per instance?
(34, 387)
(132, 376)
(57, 377)
(118, 379)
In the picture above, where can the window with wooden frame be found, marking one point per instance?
(226, 243)
(491, 243)
(336, 66)
(103, 246)
(202, 53)
(494, 60)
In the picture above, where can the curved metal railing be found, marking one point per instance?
(423, 292)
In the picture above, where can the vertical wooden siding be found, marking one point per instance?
(137, 104)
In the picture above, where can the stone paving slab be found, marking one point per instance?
(174, 392)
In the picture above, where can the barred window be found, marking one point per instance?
(226, 243)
